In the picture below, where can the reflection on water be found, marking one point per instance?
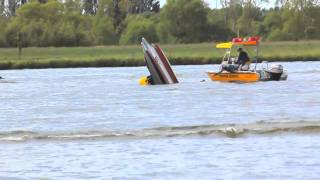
(96, 123)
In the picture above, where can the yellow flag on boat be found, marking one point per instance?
(227, 45)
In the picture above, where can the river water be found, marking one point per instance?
(98, 123)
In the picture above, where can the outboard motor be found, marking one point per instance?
(275, 72)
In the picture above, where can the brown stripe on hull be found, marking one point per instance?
(153, 69)
(166, 63)
(159, 69)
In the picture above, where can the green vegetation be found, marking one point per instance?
(65, 23)
(83, 33)
(110, 56)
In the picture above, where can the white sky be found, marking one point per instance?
(216, 3)
(210, 2)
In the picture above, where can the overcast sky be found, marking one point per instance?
(210, 2)
(216, 3)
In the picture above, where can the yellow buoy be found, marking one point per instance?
(143, 81)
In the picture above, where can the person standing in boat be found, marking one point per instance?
(243, 60)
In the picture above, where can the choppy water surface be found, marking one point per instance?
(98, 123)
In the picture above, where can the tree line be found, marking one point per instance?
(110, 22)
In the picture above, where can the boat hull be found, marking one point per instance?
(158, 64)
(241, 76)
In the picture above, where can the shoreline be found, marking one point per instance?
(38, 64)
(130, 56)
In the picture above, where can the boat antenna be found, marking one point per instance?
(257, 55)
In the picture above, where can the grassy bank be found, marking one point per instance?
(114, 56)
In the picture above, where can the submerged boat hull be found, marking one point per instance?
(158, 64)
(240, 76)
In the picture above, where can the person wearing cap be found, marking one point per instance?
(242, 63)
(243, 60)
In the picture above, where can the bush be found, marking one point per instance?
(3, 23)
(186, 20)
(217, 29)
(278, 35)
(137, 28)
(104, 31)
(312, 32)
(164, 35)
(11, 33)
(272, 20)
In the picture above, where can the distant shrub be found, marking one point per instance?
(278, 35)
(186, 20)
(164, 35)
(137, 28)
(312, 32)
(272, 20)
(104, 32)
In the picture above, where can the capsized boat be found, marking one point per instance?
(157, 64)
(274, 73)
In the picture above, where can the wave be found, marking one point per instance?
(5, 81)
(226, 130)
(313, 71)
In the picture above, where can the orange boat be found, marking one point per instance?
(233, 74)
(237, 75)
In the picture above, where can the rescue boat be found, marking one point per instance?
(275, 73)
(240, 76)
